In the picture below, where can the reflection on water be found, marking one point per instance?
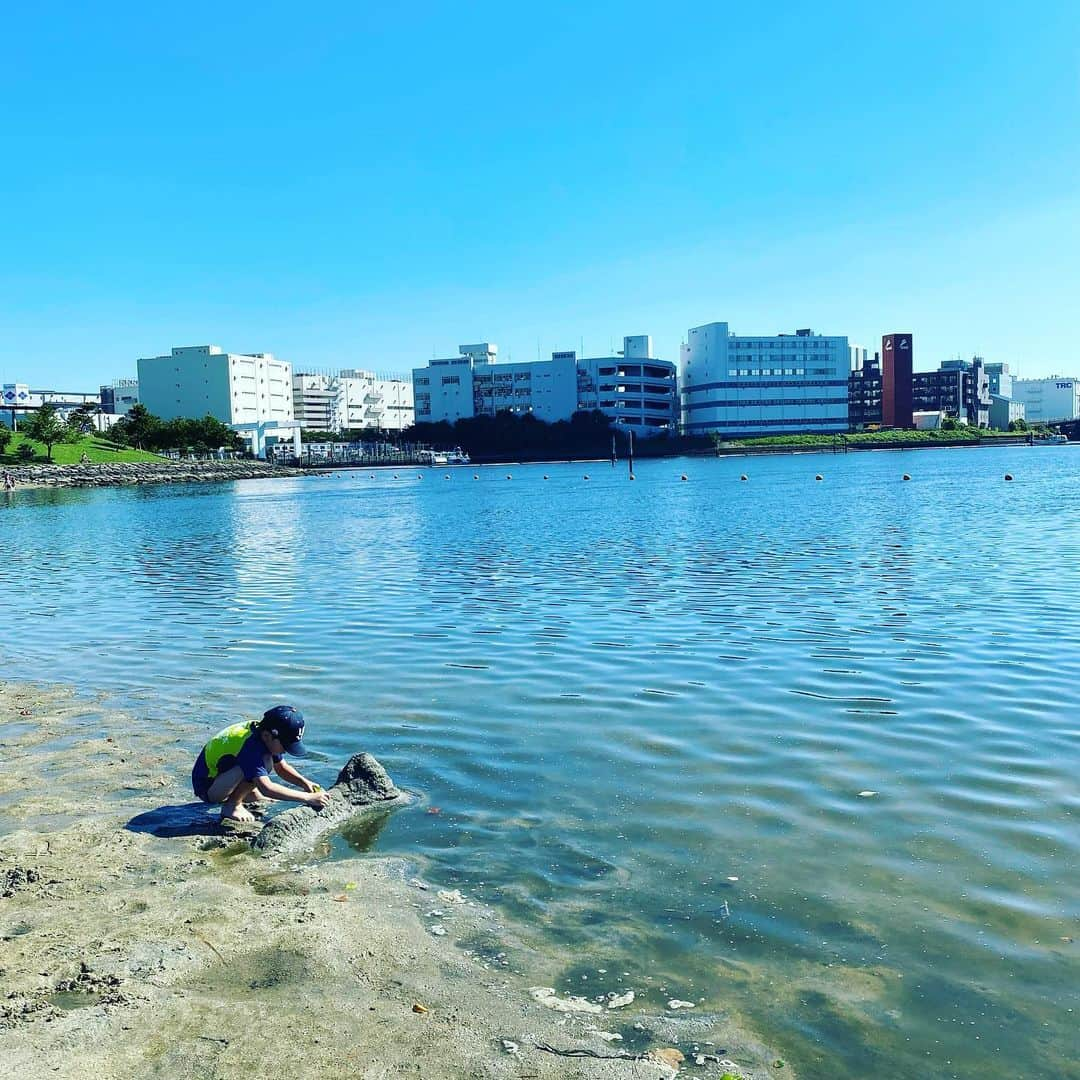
(805, 750)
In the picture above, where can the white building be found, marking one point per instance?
(19, 401)
(251, 392)
(353, 400)
(119, 396)
(1047, 400)
(742, 386)
(634, 389)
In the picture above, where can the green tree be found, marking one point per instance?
(80, 422)
(46, 428)
(5, 438)
(950, 423)
(1019, 424)
(140, 426)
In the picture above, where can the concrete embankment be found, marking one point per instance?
(109, 474)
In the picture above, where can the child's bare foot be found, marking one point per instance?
(257, 802)
(236, 813)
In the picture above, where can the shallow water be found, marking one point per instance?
(644, 713)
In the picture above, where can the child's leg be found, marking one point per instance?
(230, 789)
(233, 807)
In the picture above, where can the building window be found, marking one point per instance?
(451, 380)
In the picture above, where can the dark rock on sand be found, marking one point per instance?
(361, 784)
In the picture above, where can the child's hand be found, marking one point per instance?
(317, 799)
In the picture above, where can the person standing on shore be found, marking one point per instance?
(234, 766)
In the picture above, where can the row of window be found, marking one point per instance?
(801, 343)
(750, 423)
(735, 385)
(764, 403)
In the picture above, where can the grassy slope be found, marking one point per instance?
(870, 438)
(97, 450)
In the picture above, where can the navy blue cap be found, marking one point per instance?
(287, 724)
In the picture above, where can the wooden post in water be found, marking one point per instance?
(631, 458)
(613, 457)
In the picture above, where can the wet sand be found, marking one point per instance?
(125, 954)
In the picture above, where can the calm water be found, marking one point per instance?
(621, 696)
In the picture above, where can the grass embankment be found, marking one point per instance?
(874, 438)
(98, 451)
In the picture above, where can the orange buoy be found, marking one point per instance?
(1008, 476)
(906, 477)
(545, 476)
(633, 477)
(684, 477)
(509, 477)
(819, 477)
(585, 477)
(476, 476)
(744, 477)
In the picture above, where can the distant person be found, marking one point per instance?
(83, 459)
(234, 766)
(9, 481)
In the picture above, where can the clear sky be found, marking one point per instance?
(349, 184)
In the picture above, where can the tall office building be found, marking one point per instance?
(251, 392)
(897, 408)
(959, 388)
(864, 392)
(634, 389)
(741, 386)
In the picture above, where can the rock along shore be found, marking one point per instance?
(111, 474)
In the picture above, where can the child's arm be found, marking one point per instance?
(316, 799)
(287, 772)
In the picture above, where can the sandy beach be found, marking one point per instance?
(128, 954)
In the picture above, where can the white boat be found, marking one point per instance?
(457, 456)
(1054, 439)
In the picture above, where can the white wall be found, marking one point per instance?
(443, 390)
(741, 385)
(1056, 398)
(194, 381)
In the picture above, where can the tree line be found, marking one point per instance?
(523, 437)
(140, 429)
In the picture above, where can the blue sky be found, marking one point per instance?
(355, 185)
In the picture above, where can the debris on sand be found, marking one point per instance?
(668, 1056)
(545, 995)
(618, 1001)
(675, 1003)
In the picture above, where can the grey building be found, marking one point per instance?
(959, 388)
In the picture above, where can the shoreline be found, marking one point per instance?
(130, 954)
(126, 473)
